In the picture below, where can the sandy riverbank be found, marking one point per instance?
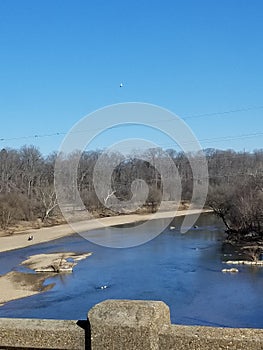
(47, 234)
(15, 284)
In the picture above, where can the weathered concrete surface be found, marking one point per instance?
(124, 325)
(41, 334)
(210, 338)
(145, 325)
(127, 324)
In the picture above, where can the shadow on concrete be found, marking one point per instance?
(85, 324)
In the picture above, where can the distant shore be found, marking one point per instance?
(46, 234)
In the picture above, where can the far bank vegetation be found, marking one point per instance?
(235, 178)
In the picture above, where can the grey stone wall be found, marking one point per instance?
(130, 325)
(209, 338)
(127, 325)
(42, 334)
(124, 324)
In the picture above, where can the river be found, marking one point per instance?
(183, 270)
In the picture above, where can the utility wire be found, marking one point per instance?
(210, 140)
(206, 140)
(223, 113)
(213, 114)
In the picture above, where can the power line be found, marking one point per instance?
(230, 138)
(33, 136)
(224, 112)
(213, 114)
(207, 140)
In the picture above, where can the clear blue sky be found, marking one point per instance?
(62, 59)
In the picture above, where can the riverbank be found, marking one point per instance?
(46, 234)
(15, 284)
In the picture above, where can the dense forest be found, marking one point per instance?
(235, 185)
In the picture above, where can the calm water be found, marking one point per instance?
(182, 270)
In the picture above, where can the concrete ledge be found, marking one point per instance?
(124, 325)
(207, 338)
(145, 325)
(127, 324)
(41, 334)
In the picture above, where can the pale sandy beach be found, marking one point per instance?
(47, 234)
(16, 285)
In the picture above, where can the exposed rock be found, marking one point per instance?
(245, 262)
(232, 270)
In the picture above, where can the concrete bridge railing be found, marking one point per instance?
(124, 325)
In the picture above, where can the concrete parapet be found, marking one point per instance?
(145, 325)
(127, 324)
(124, 324)
(210, 338)
(41, 334)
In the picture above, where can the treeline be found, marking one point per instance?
(236, 194)
(235, 178)
(26, 186)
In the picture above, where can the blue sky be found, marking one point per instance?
(62, 59)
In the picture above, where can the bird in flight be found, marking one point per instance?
(121, 85)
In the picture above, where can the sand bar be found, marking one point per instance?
(42, 261)
(47, 234)
(15, 284)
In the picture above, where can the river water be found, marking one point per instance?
(183, 270)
